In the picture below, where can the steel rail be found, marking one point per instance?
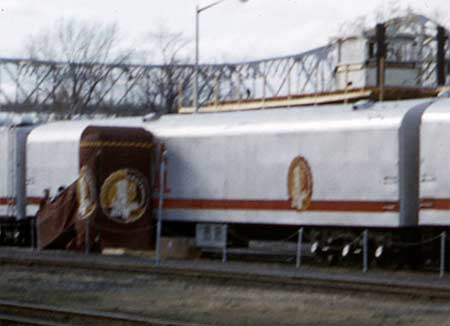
(298, 280)
(32, 314)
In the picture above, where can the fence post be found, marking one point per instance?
(299, 248)
(160, 207)
(225, 242)
(36, 234)
(87, 240)
(32, 232)
(365, 251)
(443, 240)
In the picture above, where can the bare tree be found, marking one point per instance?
(89, 51)
(172, 83)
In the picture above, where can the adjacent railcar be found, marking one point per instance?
(13, 219)
(434, 178)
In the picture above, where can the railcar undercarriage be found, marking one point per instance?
(16, 233)
(392, 248)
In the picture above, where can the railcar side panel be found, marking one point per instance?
(247, 179)
(240, 170)
(51, 164)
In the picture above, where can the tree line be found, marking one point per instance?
(91, 50)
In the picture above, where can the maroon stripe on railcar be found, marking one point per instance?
(239, 204)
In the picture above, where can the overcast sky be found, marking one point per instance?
(232, 31)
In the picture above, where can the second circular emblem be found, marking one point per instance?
(300, 183)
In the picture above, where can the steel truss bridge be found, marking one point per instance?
(35, 85)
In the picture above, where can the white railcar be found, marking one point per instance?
(345, 167)
(337, 166)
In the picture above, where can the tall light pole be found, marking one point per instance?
(198, 11)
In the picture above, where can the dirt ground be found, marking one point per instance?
(211, 303)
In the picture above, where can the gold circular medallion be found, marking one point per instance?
(86, 194)
(124, 195)
(300, 184)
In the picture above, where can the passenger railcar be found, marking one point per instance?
(335, 169)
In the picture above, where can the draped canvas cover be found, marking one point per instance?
(55, 220)
(112, 194)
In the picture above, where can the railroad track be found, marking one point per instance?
(15, 313)
(433, 290)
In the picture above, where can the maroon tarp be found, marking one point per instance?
(120, 160)
(111, 196)
(56, 219)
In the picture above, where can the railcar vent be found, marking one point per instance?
(151, 117)
(363, 104)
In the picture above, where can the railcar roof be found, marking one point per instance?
(375, 115)
(72, 130)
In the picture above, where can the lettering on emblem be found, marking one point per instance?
(300, 184)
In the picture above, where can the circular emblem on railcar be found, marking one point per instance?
(86, 194)
(124, 195)
(300, 183)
